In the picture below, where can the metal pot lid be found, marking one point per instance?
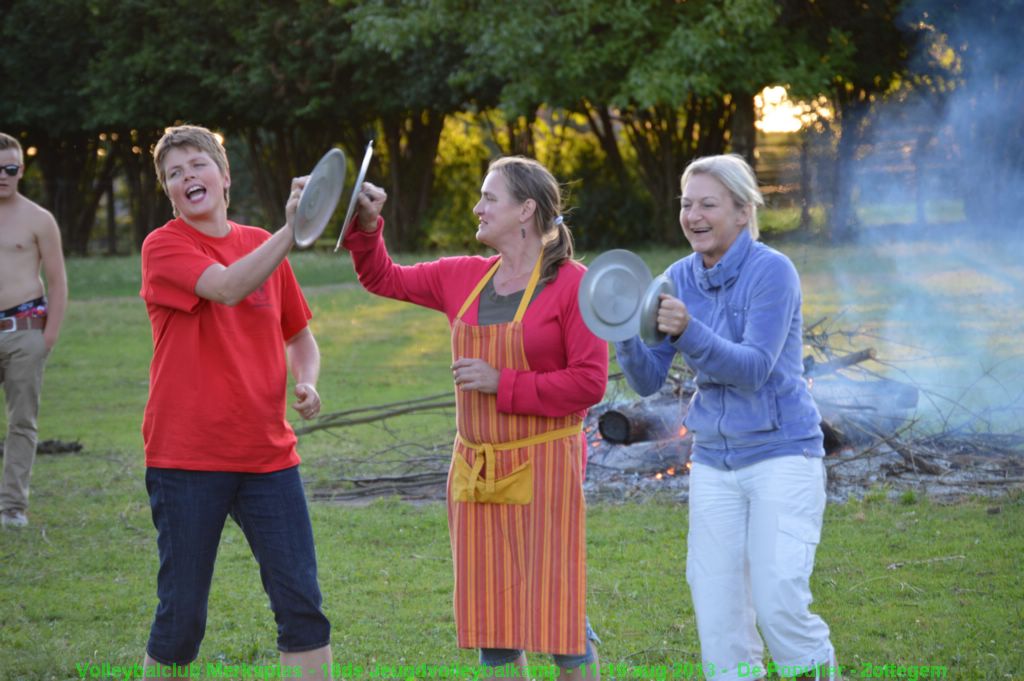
(611, 292)
(649, 332)
(360, 178)
(319, 198)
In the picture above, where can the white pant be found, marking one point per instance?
(750, 553)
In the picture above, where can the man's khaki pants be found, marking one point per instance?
(22, 357)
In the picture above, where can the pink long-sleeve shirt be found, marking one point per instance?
(568, 363)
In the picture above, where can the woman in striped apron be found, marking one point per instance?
(526, 369)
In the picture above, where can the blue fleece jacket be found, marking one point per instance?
(744, 343)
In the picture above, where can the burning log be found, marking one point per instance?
(636, 423)
(658, 457)
(646, 437)
(835, 438)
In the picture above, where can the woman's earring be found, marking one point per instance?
(522, 231)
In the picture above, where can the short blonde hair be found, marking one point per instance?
(736, 175)
(194, 136)
(9, 142)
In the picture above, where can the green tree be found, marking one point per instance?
(406, 53)
(867, 45)
(271, 78)
(155, 64)
(292, 94)
(692, 94)
(43, 73)
(659, 83)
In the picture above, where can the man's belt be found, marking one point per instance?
(11, 324)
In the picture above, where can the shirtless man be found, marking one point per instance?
(30, 318)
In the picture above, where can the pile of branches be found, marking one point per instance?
(414, 471)
(957, 453)
(940, 465)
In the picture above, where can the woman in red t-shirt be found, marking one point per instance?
(229, 321)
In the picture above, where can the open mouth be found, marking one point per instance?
(195, 193)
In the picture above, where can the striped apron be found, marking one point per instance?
(516, 512)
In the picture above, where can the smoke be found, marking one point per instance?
(939, 192)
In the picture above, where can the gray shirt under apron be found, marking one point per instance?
(498, 309)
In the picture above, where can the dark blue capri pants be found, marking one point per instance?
(189, 510)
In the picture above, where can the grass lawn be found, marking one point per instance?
(909, 584)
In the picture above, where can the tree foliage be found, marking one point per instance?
(863, 47)
(618, 96)
(45, 104)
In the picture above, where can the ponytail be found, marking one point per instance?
(558, 249)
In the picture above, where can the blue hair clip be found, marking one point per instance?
(559, 220)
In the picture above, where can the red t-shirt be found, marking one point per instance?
(219, 374)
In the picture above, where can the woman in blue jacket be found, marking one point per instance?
(757, 487)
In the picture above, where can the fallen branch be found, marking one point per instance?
(918, 464)
(414, 478)
(353, 417)
(967, 483)
(415, 486)
(813, 368)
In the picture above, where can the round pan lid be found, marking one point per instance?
(367, 155)
(611, 292)
(649, 332)
(319, 198)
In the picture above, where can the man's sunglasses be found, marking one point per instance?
(11, 170)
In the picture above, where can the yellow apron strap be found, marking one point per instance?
(474, 475)
(485, 452)
(479, 287)
(528, 293)
(489, 458)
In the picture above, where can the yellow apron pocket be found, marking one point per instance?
(514, 488)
